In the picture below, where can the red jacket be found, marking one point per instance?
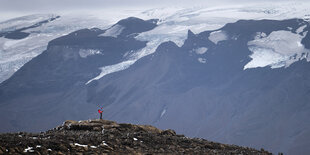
(100, 111)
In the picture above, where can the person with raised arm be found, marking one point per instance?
(100, 112)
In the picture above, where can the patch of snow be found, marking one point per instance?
(202, 60)
(114, 31)
(84, 53)
(260, 35)
(105, 144)
(38, 146)
(93, 147)
(217, 36)
(301, 29)
(128, 53)
(20, 136)
(201, 50)
(29, 149)
(112, 68)
(163, 113)
(77, 144)
(49, 149)
(279, 49)
(102, 131)
(135, 139)
(34, 137)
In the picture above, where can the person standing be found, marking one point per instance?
(100, 112)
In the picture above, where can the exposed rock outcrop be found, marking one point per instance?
(102, 136)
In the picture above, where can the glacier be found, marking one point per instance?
(279, 49)
(114, 31)
(24, 21)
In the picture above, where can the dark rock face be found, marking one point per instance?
(102, 136)
(217, 100)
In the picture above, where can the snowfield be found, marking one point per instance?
(114, 31)
(279, 49)
(24, 21)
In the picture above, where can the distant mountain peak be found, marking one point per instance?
(190, 34)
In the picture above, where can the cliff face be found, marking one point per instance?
(102, 136)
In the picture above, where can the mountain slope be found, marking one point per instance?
(59, 74)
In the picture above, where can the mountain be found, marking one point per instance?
(246, 83)
(212, 95)
(172, 26)
(24, 38)
(63, 67)
(102, 136)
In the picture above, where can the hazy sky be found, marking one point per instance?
(51, 5)
(10, 8)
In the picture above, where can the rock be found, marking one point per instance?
(11, 150)
(168, 132)
(63, 147)
(97, 128)
(161, 150)
(129, 149)
(72, 145)
(2, 148)
(150, 128)
(60, 153)
(67, 124)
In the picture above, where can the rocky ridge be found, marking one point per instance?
(103, 136)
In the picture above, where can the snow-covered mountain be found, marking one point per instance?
(237, 75)
(23, 38)
(172, 26)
